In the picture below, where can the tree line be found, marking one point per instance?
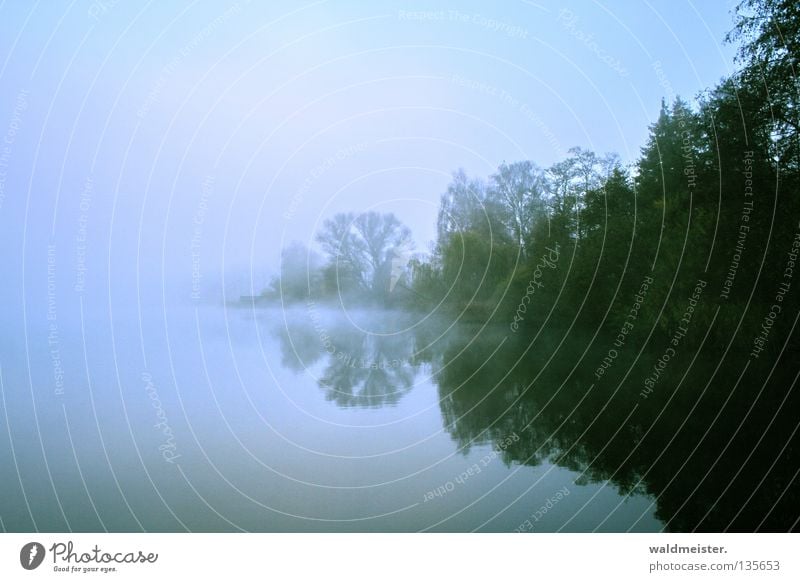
(711, 197)
(688, 256)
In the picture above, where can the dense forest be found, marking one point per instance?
(645, 314)
(712, 199)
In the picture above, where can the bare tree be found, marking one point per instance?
(364, 246)
(461, 207)
(516, 193)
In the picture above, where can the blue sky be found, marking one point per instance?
(152, 143)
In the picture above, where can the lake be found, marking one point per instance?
(205, 418)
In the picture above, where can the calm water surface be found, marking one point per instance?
(212, 419)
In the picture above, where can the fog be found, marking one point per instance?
(171, 152)
(350, 266)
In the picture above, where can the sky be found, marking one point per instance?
(173, 148)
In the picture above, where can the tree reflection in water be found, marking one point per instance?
(361, 368)
(715, 453)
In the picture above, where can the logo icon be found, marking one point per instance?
(398, 265)
(31, 555)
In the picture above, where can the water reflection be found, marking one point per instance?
(714, 452)
(360, 368)
(713, 448)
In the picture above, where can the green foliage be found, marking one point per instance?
(642, 241)
(675, 216)
(472, 265)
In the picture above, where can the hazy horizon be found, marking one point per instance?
(274, 120)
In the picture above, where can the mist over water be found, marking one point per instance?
(276, 429)
(344, 267)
